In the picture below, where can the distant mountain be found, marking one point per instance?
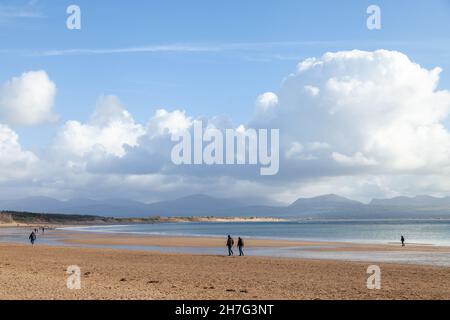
(329, 205)
(35, 204)
(195, 205)
(326, 206)
(325, 202)
(114, 207)
(418, 201)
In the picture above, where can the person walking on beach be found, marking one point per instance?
(241, 246)
(32, 238)
(230, 244)
(402, 239)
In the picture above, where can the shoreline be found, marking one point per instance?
(71, 234)
(412, 254)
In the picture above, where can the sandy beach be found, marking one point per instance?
(40, 272)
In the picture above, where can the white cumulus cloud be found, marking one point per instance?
(376, 108)
(108, 131)
(28, 100)
(362, 124)
(165, 122)
(14, 161)
(265, 104)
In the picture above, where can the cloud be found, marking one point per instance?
(266, 105)
(193, 48)
(111, 142)
(110, 129)
(28, 100)
(369, 108)
(362, 124)
(317, 145)
(27, 11)
(15, 163)
(165, 122)
(314, 91)
(266, 101)
(358, 159)
(358, 121)
(142, 49)
(295, 150)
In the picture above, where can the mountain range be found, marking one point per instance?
(325, 206)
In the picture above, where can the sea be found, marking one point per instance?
(432, 232)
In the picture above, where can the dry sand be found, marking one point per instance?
(40, 273)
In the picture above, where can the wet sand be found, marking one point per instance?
(210, 242)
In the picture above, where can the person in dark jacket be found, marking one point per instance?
(230, 244)
(402, 239)
(32, 238)
(241, 246)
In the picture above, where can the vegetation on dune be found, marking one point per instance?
(11, 217)
(28, 217)
(6, 217)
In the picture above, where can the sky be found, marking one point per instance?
(89, 112)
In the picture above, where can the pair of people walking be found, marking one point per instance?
(230, 244)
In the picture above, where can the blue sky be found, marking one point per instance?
(214, 58)
(259, 42)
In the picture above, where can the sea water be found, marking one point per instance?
(432, 232)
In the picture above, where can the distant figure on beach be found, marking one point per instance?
(241, 246)
(402, 239)
(230, 244)
(32, 238)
